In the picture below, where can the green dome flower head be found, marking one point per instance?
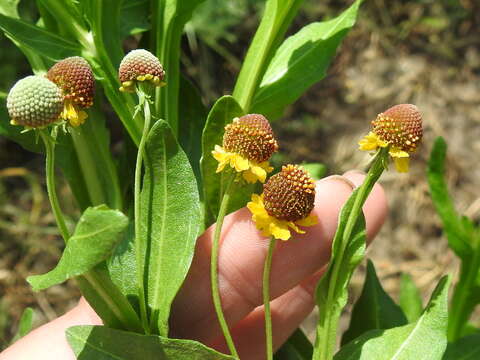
(140, 66)
(34, 102)
(75, 77)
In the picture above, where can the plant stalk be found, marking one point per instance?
(266, 299)
(217, 302)
(50, 174)
(325, 346)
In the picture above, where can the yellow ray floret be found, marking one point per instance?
(271, 226)
(75, 117)
(251, 171)
(373, 142)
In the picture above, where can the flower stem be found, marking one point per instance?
(139, 241)
(266, 299)
(50, 173)
(329, 315)
(214, 267)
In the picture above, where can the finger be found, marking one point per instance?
(241, 259)
(34, 345)
(287, 311)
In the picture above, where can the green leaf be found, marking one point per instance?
(452, 223)
(316, 170)
(9, 8)
(426, 337)
(25, 325)
(96, 234)
(102, 343)
(301, 61)
(192, 117)
(168, 20)
(134, 17)
(170, 221)
(297, 347)
(375, 309)
(38, 40)
(410, 300)
(467, 348)
(221, 114)
(276, 19)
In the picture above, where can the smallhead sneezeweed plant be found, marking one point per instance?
(132, 247)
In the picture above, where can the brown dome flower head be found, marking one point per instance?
(140, 65)
(287, 201)
(34, 102)
(75, 77)
(400, 128)
(248, 144)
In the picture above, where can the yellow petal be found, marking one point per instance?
(279, 229)
(401, 164)
(249, 176)
(308, 221)
(398, 153)
(295, 227)
(239, 163)
(371, 142)
(265, 165)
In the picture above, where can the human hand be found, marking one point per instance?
(297, 266)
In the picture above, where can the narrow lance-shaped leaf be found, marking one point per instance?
(375, 309)
(467, 348)
(37, 39)
(297, 347)
(9, 8)
(427, 337)
(95, 236)
(134, 17)
(102, 343)
(301, 61)
(170, 221)
(410, 300)
(25, 324)
(452, 224)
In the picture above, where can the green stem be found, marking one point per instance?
(87, 164)
(266, 299)
(50, 173)
(325, 346)
(139, 241)
(460, 309)
(217, 302)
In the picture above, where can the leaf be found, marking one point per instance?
(410, 300)
(375, 309)
(297, 347)
(192, 117)
(346, 255)
(9, 8)
(452, 223)
(96, 234)
(134, 17)
(276, 19)
(301, 61)
(38, 40)
(426, 337)
(316, 170)
(170, 221)
(467, 348)
(102, 343)
(25, 324)
(222, 113)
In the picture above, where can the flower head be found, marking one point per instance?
(75, 77)
(400, 128)
(248, 144)
(140, 65)
(286, 203)
(34, 102)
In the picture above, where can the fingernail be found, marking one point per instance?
(355, 171)
(342, 179)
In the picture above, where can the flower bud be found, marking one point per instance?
(75, 77)
(251, 136)
(400, 126)
(290, 194)
(34, 102)
(140, 65)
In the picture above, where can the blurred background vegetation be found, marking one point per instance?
(425, 52)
